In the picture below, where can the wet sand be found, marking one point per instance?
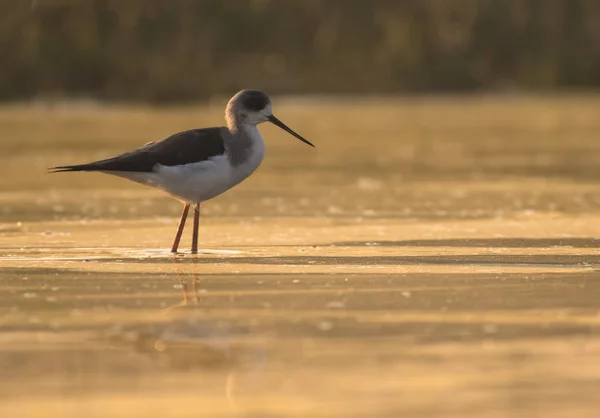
(443, 265)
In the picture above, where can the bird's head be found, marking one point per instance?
(251, 107)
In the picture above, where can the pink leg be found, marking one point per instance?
(184, 215)
(196, 225)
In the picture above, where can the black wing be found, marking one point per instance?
(182, 148)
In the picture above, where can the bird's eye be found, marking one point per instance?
(243, 115)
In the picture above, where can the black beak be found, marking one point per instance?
(279, 123)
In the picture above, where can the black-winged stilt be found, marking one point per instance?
(199, 164)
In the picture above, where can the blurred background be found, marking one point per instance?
(441, 242)
(169, 51)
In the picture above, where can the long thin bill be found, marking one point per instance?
(279, 123)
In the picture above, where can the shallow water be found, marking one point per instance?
(436, 257)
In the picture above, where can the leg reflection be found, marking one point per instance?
(189, 298)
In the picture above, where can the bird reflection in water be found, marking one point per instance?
(231, 348)
(189, 298)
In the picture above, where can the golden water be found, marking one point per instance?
(431, 257)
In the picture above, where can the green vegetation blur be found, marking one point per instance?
(177, 50)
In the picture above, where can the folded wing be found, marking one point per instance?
(182, 148)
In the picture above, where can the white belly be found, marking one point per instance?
(198, 182)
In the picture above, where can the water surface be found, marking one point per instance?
(431, 257)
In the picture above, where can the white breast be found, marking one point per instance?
(254, 157)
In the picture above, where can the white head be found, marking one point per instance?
(251, 107)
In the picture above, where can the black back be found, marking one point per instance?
(185, 147)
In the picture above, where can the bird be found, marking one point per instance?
(198, 164)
